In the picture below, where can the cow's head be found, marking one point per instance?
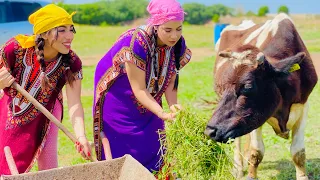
(249, 93)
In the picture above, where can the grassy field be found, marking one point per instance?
(196, 84)
(92, 40)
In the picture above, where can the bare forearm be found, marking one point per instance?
(171, 97)
(171, 94)
(145, 98)
(137, 81)
(77, 117)
(75, 107)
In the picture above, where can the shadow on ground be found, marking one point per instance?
(286, 169)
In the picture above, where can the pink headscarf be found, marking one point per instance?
(162, 11)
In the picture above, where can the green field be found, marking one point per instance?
(196, 83)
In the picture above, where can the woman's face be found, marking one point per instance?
(59, 39)
(169, 33)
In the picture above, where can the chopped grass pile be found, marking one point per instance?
(190, 154)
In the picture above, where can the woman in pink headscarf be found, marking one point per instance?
(130, 80)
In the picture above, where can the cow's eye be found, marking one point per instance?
(247, 89)
(248, 86)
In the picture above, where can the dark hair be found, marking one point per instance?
(153, 58)
(40, 55)
(45, 83)
(177, 52)
(66, 63)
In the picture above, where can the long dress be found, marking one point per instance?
(22, 127)
(130, 127)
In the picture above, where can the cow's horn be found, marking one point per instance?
(225, 54)
(260, 58)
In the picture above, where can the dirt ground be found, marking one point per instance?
(316, 61)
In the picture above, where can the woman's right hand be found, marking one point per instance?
(167, 116)
(6, 79)
(83, 147)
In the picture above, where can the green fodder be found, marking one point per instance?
(190, 154)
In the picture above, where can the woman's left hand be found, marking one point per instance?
(175, 108)
(83, 147)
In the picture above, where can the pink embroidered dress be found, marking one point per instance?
(130, 127)
(22, 127)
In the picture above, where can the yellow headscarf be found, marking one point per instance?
(46, 18)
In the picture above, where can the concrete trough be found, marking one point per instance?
(124, 168)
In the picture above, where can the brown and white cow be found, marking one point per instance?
(258, 80)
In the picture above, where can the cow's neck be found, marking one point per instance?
(283, 121)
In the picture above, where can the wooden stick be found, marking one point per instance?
(11, 164)
(47, 113)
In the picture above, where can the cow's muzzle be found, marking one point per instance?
(210, 131)
(219, 136)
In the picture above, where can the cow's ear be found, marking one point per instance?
(283, 67)
(289, 64)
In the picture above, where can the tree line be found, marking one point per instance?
(117, 12)
(107, 12)
(110, 12)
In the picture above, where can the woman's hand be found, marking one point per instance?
(6, 79)
(83, 147)
(175, 108)
(166, 116)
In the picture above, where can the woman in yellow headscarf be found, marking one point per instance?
(42, 64)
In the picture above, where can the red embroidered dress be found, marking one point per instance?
(22, 127)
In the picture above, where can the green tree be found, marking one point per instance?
(263, 11)
(219, 9)
(196, 13)
(250, 14)
(200, 14)
(283, 9)
(108, 11)
(216, 18)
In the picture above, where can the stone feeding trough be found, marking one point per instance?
(124, 168)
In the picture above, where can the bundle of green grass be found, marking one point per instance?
(189, 153)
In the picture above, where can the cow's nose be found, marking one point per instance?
(210, 131)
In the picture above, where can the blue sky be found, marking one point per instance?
(295, 6)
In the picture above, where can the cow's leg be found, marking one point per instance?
(238, 162)
(256, 152)
(297, 146)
